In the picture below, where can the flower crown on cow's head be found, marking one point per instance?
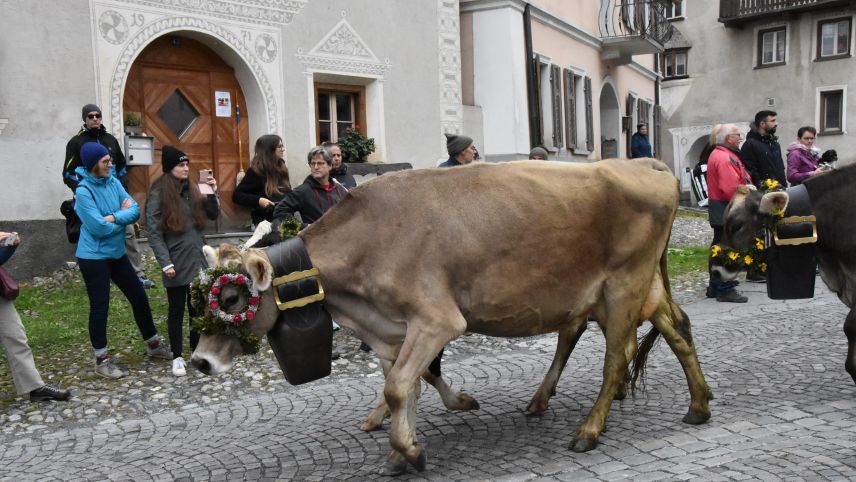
(212, 320)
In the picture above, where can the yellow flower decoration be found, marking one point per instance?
(759, 243)
(763, 267)
(733, 255)
(771, 184)
(748, 260)
(714, 251)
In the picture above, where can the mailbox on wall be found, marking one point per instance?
(139, 150)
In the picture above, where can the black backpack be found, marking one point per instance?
(72, 220)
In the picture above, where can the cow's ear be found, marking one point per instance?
(211, 255)
(773, 203)
(259, 270)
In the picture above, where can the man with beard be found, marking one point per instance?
(339, 171)
(94, 131)
(761, 153)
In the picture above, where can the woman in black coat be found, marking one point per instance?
(266, 182)
(176, 214)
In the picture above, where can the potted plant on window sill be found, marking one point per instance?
(133, 123)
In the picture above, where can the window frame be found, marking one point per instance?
(671, 55)
(819, 57)
(822, 93)
(359, 105)
(682, 13)
(759, 39)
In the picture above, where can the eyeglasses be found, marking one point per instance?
(93, 116)
(107, 161)
(317, 164)
(280, 146)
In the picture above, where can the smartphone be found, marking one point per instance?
(204, 175)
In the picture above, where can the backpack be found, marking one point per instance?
(72, 220)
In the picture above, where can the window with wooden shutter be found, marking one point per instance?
(589, 116)
(570, 110)
(535, 126)
(556, 92)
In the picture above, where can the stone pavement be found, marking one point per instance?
(784, 410)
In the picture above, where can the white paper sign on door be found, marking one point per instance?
(223, 101)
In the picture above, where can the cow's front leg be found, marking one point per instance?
(375, 419)
(568, 338)
(618, 337)
(850, 331)
(425, 337)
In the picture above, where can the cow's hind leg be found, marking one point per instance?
(674, 324)
(618, 331)
(850, 331)
(568, 338)
(452, 400)
(427, 333)
(375, 419)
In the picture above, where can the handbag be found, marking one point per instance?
(8, 286)
(72, 220)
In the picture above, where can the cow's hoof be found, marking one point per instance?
(537, 407)
(621, 394)
(421, 460)
(396, 464)
(466, 402)
(583, 444)
(696, 418)
(370, 426)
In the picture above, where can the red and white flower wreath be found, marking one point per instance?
(252, 301)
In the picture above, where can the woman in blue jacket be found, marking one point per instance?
(105, 208)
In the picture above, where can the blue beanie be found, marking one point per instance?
(91, 153)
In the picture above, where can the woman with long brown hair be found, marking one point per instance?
(266, 182)
(176, 214)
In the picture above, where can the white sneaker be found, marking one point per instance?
(179, 368)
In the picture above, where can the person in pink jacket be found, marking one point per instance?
(802, 158)
(725, 171)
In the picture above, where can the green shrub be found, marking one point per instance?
(355, 146)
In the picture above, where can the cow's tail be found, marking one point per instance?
(637, 371)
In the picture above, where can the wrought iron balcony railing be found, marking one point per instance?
(635, 18)
(735, 12)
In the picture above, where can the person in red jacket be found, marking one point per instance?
(725, 171)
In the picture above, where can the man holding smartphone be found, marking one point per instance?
(94, 130)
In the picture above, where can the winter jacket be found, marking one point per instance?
(72, 155)
(248, 193)
(341, 175)
(310, 199)
(6, 252)
(762, 157)
(725, 172)
(802, 162)
(182, 251)
(451, 162)
(640, 146)
(100, 239)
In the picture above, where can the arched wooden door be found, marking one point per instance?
(173, 84)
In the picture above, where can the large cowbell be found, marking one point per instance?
(302, 337)
(791, 262)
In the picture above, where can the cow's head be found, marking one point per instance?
(748, 212)
(215, 352)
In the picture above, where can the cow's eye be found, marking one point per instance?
(231, 300)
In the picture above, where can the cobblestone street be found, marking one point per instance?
(784, 410)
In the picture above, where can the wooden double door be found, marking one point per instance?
(176, 85)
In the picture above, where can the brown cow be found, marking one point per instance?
(412, 260)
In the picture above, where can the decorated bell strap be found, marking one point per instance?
(296, 283)
(798, 226)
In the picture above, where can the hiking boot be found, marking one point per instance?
(161, 350)
(179, 368)
(106, 368)
(710, 292)
(48, 392)
(732, 296)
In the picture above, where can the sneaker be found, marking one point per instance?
(48, 392)
(106, 368)
(161, 350)
(732, 296)
(147, 283)
(179, 368)
(710, 292)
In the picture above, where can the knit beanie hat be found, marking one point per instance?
(538, 151)
(89, 108)
(456, 144)
(91, 153)
(171, 157)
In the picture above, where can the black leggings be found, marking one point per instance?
(177, 297)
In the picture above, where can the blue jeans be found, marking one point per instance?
(97, 274)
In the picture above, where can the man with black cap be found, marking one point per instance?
(461, 150)
(94, 130)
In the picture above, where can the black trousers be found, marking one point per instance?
(178, 297)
